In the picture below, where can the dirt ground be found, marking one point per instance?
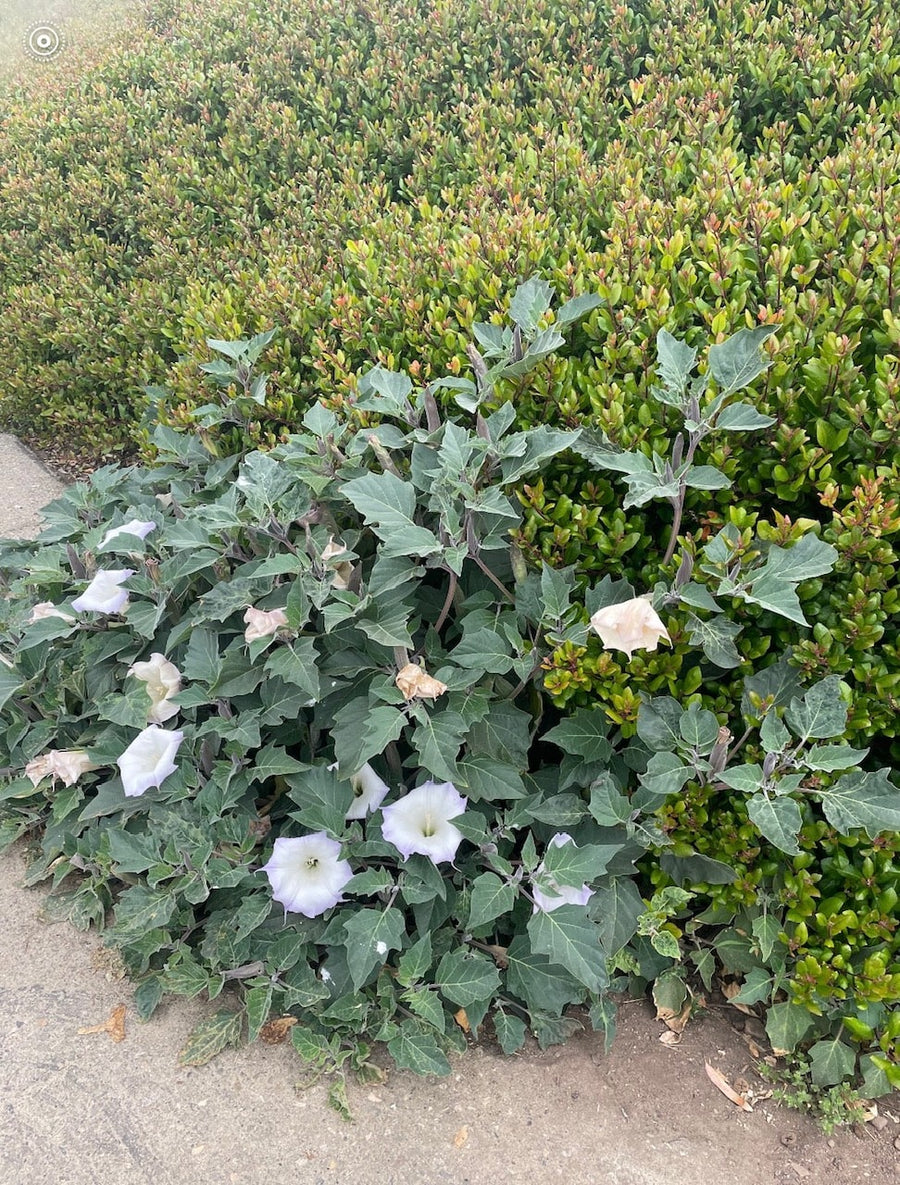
(82, 1109)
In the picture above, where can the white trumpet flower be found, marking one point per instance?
(420, 822)
(103, 594)
(307, 874)
(149, 759)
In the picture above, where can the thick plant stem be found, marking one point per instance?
(448, 601)
(493, 579)
(678, 507)
(678, 503)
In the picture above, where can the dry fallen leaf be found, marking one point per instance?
(260, 828)
(461, 1136)
(275, 1031)
(721, 1083)
(415, 683)
(670, 1038)
(676, 1021)
(499, 954)
(462, 1020)
(755, 1050)
(114, 1025)
(730, 989)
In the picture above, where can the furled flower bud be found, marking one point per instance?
(66, 764)
(718, 757)
(136, 528)
(332, 550)
(45, 609)
(369, 791)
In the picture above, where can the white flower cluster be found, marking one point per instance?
(307, 874)
(150, 758)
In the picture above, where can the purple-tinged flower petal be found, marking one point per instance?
(420, 822)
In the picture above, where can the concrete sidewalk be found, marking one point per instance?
(81, 1109)
(78, 1108)
(25, 486)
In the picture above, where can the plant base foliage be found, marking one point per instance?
(285, 714)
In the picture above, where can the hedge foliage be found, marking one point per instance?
(376, 178)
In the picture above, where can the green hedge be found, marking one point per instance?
(382, 176)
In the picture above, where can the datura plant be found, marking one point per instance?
(277, 721)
